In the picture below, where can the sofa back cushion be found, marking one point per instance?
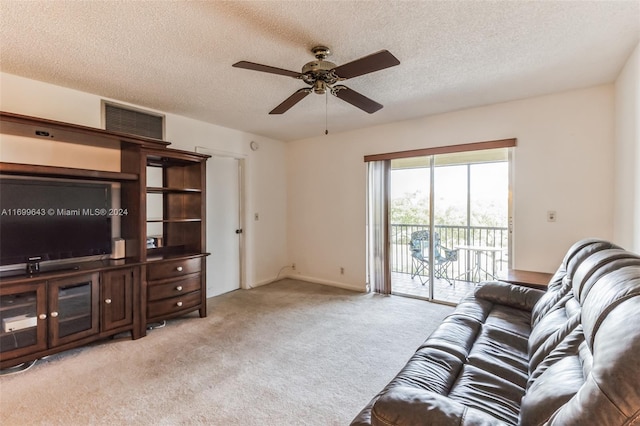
(561, 283)
(588, 370)
(609, 356)
(562, 351)
(597, 265)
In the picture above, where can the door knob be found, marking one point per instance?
(107, 301)
(238, 231)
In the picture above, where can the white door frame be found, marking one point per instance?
(241, 199)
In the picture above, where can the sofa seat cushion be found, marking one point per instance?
(477, 359)
(489, 393)
(455, 335)
(494, 378)
(404, 406)
(551, 390)
(514, 322)
(502, 354)
(429, 369)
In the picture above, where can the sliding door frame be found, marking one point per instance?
(430, 152)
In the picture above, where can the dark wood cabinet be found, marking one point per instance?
(73, 308)
(45, 316)
(118, 298)
(175, 287)
(23, 315)
(173, 188)
(163, 274)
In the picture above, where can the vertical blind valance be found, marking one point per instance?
(475, 146)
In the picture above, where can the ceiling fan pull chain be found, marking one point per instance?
(326, 112)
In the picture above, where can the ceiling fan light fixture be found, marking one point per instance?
(320, 87)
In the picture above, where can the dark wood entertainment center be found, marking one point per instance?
(163, 273)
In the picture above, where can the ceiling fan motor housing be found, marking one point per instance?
(319, 70)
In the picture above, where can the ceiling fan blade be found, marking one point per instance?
(371, 63)
(356, 99)
(266, 68)
(291, 101)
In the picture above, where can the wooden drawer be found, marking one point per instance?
(174, 268)
(174, 305)
(163, 290)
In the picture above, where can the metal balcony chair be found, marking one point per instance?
(443, 257)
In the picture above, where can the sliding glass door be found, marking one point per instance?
(448, 219)
(410, 222)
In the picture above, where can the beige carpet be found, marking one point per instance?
(290, 353)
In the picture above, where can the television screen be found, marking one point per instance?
(53, 220)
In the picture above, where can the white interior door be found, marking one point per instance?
(223, 220)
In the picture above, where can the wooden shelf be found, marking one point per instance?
(64, 172)
(158, 190)
(171, 252)
(7, 306)
(173, 220)
(41, 128)
(177, 158)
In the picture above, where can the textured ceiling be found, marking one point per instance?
(176, 56)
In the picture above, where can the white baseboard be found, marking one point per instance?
(265, 282)
(346, 286)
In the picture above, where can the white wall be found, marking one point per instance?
(627, 174)
(310, 194)
(266, 248)
(564, 161)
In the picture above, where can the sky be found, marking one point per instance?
(489, 185)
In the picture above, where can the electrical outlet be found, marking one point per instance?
(341, 270)
(551, 216)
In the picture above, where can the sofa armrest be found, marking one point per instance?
(405, 406)
(503, 293)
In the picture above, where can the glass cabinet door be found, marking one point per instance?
(73, 305)
(23, 319)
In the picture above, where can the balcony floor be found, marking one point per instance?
(402, 284)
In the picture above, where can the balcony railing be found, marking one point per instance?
(466, 268)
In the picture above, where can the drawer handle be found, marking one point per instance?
(42, 316)
(179, 304)
(179, 288)
(107, 301)
(179, 269)
(54, 314)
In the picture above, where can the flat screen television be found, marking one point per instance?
(53, 220)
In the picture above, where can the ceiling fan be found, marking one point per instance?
(323, 75)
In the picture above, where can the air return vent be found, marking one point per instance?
(134, 122)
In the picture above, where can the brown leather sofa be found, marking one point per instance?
(519, 356)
